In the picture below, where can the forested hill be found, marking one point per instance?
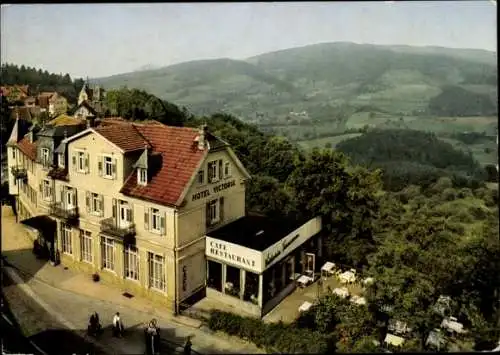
(393, 79)
(410, 157)
(41, 80)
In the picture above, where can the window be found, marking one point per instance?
(81, 162)
(45, 157)
(108, 253)
(212, 171)
(131, 263)
(142, 176)
(61, 160)
(227, 169)
(155, 220)
(201, 177)
(67, 247)
(96, 205)
(46, 190)
(215, 211)
(13, 154)
(156, 271)
(108, 167)
(86, 246)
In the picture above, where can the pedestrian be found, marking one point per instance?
(187, 346)
(117, 325)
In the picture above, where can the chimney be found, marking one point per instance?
(202, 136)
(90, 121)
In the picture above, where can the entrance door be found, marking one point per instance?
(310, 263)
(125, 215)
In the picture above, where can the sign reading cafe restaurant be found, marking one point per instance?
(215, 189)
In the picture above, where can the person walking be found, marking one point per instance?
(117, 325)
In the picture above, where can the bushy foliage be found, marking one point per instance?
(411, 157)
(276, 337)
(456, 101)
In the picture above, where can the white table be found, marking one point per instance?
(342, 292)
(327, 269)
(304, 280)
(347, 277)
(358, 300)
(305, 306)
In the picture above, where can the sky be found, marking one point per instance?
(98, 40)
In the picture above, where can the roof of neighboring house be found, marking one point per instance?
(47, 93)
(30, 98)
(27, 148)
(7, 90)
(180, 158)
(65, 120)
(57, 96)
(85, 104)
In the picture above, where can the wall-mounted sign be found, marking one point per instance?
(217, 188)
(279, 249)
(234, 254)
(285, 246)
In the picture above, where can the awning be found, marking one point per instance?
(44, 224)
(328, 267)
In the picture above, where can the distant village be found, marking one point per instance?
(31, 106)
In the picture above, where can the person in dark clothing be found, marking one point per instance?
(187, 346)
(152, 338)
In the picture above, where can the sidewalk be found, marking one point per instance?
(75, 295)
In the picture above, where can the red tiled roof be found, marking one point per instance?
(125, 136)
(27, 148)
(180, 158)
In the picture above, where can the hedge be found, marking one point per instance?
(275, 337)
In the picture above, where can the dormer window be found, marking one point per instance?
(142, 176)
(45, 157)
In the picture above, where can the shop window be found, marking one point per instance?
(269, 290)
(214, 275)
(278, 278)
(232, 285)
(251, 287)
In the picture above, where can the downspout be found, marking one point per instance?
(176, 239)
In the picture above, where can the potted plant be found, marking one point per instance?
(96, 277)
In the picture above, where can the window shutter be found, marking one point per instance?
(129, 215)
(220, 169)
(162, 224)
(75, 197)
(62, 196)
(73, 158)
(87, 201)
(131, 209)
(207, 215)
(114, 209)
(146, 219)
(102, 205)
(210, 169)
(87, 163)
(41, 188)
(99, 165)
(221, 209)
(113, 168)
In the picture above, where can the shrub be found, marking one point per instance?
(276, 337)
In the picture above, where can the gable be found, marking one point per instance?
(198, 193)
(94, 140)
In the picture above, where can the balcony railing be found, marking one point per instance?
(110, 226)
(61, 211)
(19, 172)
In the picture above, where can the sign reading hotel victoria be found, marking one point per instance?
(217, 188)
(234, 254)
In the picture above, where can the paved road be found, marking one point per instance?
(27, 321)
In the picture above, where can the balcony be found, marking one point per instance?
(64, 212)
(19, 172)
(109, 226)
